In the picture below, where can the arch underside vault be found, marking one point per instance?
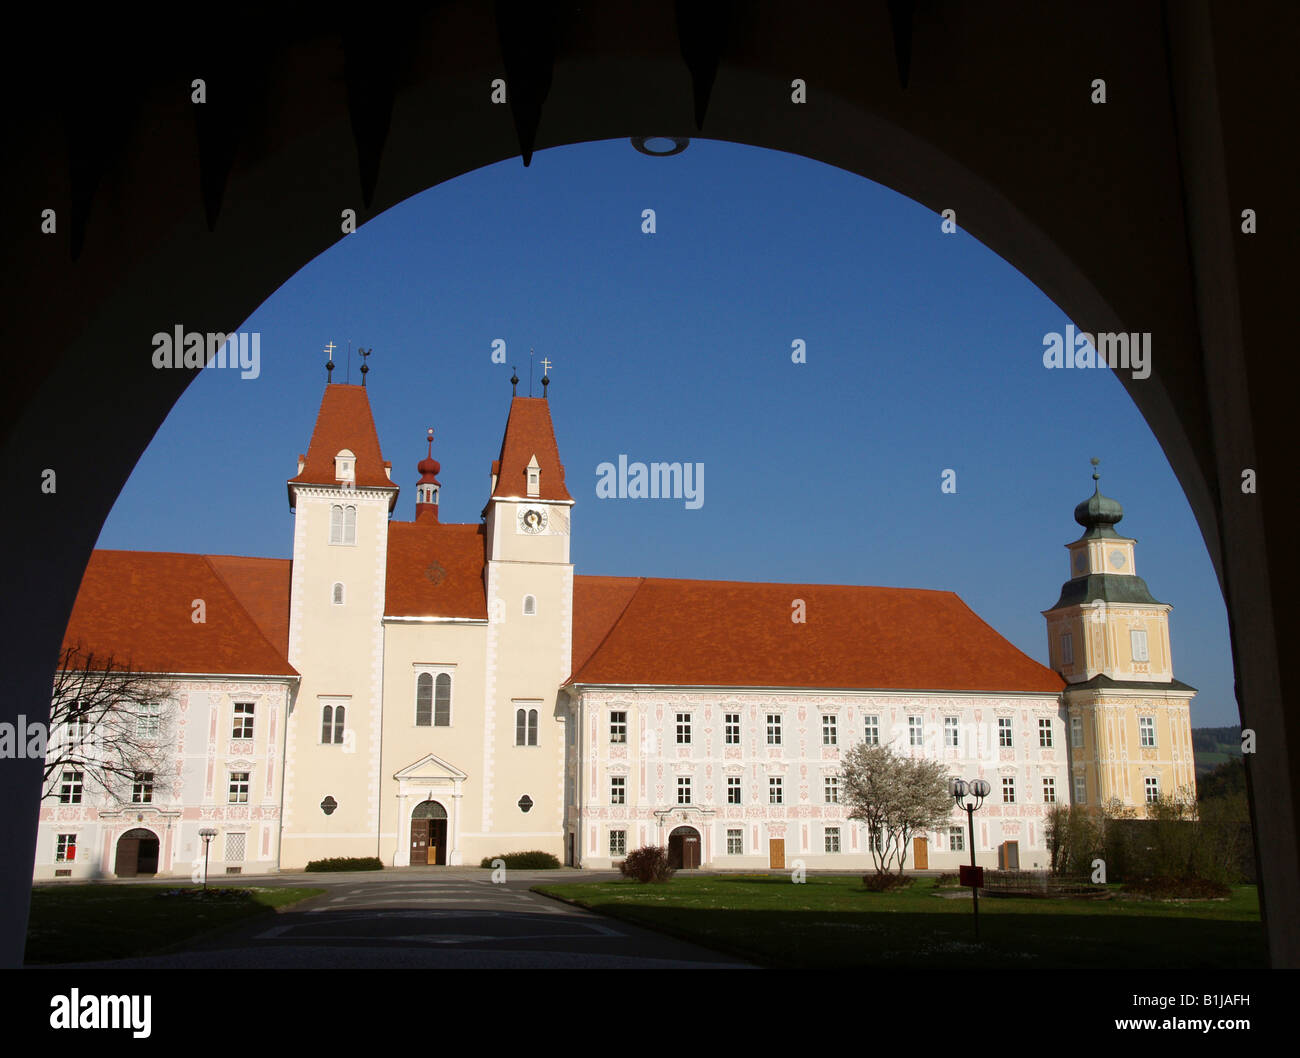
(1126, 215)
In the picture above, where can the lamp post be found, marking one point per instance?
(977, 789)
(207, 834)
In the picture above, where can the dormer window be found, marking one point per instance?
(345, 466)
(534, 477)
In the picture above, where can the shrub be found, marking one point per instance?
(947, 881)
(523, 861)
(881, 883)
(1163, 887)
(647, 864)
(347, 863)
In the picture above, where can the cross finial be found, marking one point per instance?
(514, 380)
(364, 353)
(329, 364)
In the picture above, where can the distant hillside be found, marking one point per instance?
(1213, 746)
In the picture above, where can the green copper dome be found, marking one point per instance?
(1098, 514)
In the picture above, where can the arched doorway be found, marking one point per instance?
(429, 835)
(684, 848)
(137, 853)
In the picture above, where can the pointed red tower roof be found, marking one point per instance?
(344, 422)
(529, 433)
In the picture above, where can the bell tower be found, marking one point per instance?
(1129, 719)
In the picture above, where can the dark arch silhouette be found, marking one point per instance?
(1127, 214)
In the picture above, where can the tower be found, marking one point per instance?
(528, 578)
(1129, 719)
(341, 496)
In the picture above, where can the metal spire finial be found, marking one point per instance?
(364, 353)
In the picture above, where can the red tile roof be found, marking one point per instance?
(529, 432)
(137, 606)
(435, 570)
(345, 421)
(734, 634)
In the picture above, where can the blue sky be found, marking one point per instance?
(924, 353)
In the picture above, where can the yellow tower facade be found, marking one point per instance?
(1130, 733)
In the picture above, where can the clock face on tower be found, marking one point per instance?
(1080, 562)
(1117, 560)
(532, 519)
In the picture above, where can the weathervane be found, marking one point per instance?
(364, 353)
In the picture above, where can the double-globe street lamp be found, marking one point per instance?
(978, 789)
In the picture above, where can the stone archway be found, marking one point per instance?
(428, 835)
(166, 214)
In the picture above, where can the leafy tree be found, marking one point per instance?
(107, 722)
(897, 797)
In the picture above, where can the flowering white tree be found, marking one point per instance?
(897, 797)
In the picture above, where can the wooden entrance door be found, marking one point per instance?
(438, 842)
(419, 842)
(1010, 856)
(920, 853)
(684, 848)
(137, 853)
(776, 853)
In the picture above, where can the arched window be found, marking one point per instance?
(349, 525)
(331, 724)
(525, 727)
(336, 524)
(442, 701)
(337, 595)
(530, 605)
(424, 700)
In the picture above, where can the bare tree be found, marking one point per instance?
(109, 725)
(897, 797)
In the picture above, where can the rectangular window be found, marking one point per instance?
(871, 730)
(1049, 790)
(236, 847)
(733, 789)
(1138, 638)
(914, 731)
(1067, 649)
(1004, 731)
(683, 729)
(830, 730)
(950, 732)
(832, 839)
(618, 842)
(148, 720)
(617, 790)
(243, 720)
(683, 790)
(1147, 731)
(142, 788)
(1153, 789)
(773, 729)
(831, 789)
(70, 787)
(1045, 732)
(776, 791)
(1076, 731)
(238, 788)
(618, 728)
(956, 839)
(1080, 790)
(732, 727)
(66, 851)
(1008, 790)
(735, 842)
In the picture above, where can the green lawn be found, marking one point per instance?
(81, 923)
(831, 921)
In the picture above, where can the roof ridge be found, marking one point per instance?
(282, 654)
(640, 583)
